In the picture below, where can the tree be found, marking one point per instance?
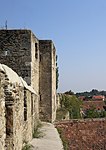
(91, 113)
(91, 93)
(69, 92)
(72, 104)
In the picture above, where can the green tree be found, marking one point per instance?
(73, 105)
(102, 114)
(69, 92)
(91, 113)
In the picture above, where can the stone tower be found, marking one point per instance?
(35, 61)
(47, 80)
(19, 50)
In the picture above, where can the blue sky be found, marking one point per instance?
(78, 29)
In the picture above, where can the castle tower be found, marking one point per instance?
(47, 80)
(19, 50)
(35, 61)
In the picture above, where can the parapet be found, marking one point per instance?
(14, 78)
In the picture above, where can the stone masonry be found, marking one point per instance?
(27, 86)
(35, 61)
(47, 80)
(18, 110)
(2, 111)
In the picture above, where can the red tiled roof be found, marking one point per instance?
(99, 97)
(97, 104)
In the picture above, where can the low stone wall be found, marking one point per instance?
(18, 110)
(88, 134)
(2, 112)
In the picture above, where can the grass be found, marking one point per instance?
(27, 146)
(64, 141)
(37, 133)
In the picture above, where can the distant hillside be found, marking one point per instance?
(91, 93)
(87, 94)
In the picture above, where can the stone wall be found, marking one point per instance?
(18, 106)
(35, 74)
(2, 111)
(35, 61)
(15, 51)
(59, 99)
(14, 116)
(47, 80)
(53, 74)
(19, 49)
(89, 134)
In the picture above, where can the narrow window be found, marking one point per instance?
(40, 98)
(40, 57)
(25, 105)
(36, 50)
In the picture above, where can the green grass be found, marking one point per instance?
(37, 133)
(27, 147)
(64, 140)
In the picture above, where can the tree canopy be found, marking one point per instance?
(91, 93)
(72, 104)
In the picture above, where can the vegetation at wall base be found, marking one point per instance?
(37, 133)
(64, 140)
(27, 146)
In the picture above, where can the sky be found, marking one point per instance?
(78, 30)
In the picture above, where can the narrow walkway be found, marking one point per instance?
(50, 139)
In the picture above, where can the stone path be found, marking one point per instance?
(50, 139)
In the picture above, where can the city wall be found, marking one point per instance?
(18, 113)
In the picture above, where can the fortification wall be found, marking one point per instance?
(53, 74)
(89, 134)
(47, 80)
(15, 51)
(2, 110)
(35, 63)
(18, 114)
(20, 49)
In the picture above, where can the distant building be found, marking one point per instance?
(98, 98)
